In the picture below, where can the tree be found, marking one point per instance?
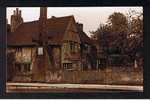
(122, 34)
(118, 32)
(101, 35)
(113, 35)
(118, 23)
(135, 36)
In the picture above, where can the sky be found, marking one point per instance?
(91, 17)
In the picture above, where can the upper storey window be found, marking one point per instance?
(19, 49)
(74, 47)
(40, 51)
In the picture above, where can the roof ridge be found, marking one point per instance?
(63, 16)
(47, 19)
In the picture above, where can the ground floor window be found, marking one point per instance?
(18, 67)
(98, 61)
(101, 63)
(23, 67)
(67, 65)
(27, 68)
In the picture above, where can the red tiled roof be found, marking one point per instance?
(27, 31)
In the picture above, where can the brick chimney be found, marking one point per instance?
(41, 64)
(79, 26)
(42, 20)
(43, 13)
(16, 19)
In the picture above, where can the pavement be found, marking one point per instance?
(42, 87)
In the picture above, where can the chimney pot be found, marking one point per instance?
(17, 11)
(14, 12)
(80, 26)
(53, 17)
(20, 12)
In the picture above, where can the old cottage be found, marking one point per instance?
(47, 44)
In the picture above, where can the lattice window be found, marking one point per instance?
(67, 65)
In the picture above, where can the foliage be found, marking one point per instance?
(118, 23)
(135, 35)
(122, 34)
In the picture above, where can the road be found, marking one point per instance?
(44, 87)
